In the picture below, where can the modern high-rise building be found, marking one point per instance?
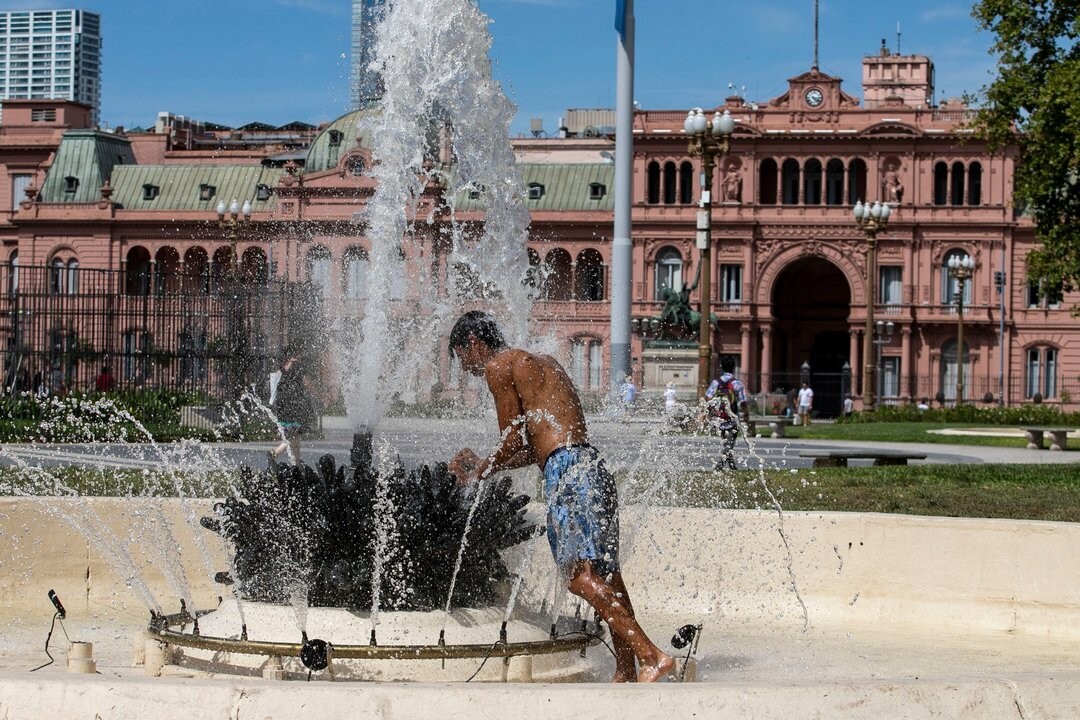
(366, 83)
(51, 54)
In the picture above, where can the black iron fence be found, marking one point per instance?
(66, 329)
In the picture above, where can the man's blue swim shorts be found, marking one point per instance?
(583, 509)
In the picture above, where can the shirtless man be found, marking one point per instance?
(542, 422)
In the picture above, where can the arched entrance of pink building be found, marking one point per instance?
(811, 302)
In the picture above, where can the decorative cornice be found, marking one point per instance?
(830, 232)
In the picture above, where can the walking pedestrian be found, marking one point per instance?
(806, 404)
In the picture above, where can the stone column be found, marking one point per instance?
(744, 363)
(906, 383)
(856, 362)
(853, 355)
(766, 356)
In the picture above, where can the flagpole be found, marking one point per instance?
(622, 244)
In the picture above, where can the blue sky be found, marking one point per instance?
(236, 61)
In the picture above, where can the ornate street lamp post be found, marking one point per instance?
(237, 217)
(960, 269)
(236, 345)
(707, 138)
(871, 219)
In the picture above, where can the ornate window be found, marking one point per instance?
(957, 183)
(13, 277)
(889, 291)
(1041, 372)
(974, 184)
(949, 369)
(652, 183)
(834, 182)
(669, 271)
(686, 183)
(941, 183)
(890, 376)
(318, 266)
(19, 183)
(856, 181)
(355, 276)
(589, 276)
(731, 284)
(789, 181)
(767, 182)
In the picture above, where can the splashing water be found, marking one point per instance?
(444, 124)
(384, 526)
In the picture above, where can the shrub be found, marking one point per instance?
(1034, 414)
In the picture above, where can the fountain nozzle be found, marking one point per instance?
(442, 643)
(60, 611)
(314, 654)
(684, 636)
(502, 633)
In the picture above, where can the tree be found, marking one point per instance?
(1035, 102)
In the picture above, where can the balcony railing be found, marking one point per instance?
(560, 309)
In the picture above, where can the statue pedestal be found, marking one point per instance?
(670, 361)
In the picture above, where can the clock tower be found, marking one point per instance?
(814, 92)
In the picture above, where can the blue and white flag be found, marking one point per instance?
(622, 18)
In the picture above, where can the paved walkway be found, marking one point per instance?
(627, 443)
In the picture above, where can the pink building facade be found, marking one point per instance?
(789, 264)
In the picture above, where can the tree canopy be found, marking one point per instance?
(1035, 102)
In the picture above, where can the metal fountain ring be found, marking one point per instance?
(163, 627)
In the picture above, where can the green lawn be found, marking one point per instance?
(1030, 492)
(906, 432)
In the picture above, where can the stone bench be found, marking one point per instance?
(839, 458)
(1059, 437)
(775, 423)
(200, 416)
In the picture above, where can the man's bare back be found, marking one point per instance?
(535, 389)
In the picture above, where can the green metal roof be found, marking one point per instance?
(565, 188)
(179, 186)
(88, 156)
(324, 154)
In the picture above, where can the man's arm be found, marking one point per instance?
(512, 451)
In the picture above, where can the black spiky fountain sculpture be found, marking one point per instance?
(369, 550)
(328, 528)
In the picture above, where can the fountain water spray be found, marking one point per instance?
(443, 128)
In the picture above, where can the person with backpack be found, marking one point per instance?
(726, 403)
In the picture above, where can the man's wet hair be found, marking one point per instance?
(477, 324)
(727, 363)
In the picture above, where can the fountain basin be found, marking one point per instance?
(907, 617)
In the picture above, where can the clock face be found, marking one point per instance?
(814, 98)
